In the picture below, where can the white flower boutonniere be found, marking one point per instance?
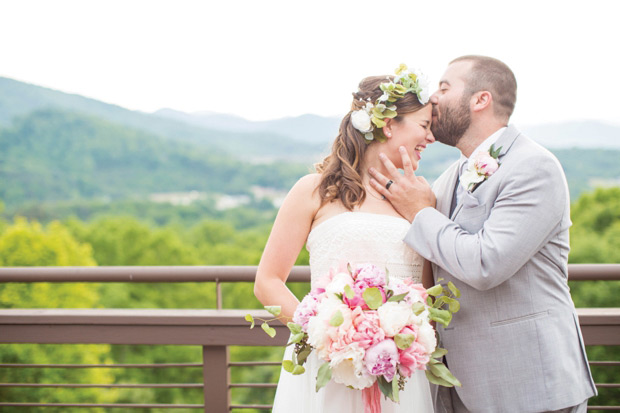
(483, 165)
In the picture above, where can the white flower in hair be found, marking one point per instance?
(372, 118)
(361, 121)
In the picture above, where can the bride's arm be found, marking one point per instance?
(288, 236)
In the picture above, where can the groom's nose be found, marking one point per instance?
(433, 99)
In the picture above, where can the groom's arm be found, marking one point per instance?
(528, 211)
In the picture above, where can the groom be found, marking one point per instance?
(502, 239)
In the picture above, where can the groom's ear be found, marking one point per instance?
(481, 100)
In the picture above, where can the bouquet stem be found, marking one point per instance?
(371, 396)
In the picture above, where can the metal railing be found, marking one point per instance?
(214, 330)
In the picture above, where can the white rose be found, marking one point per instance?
(361, 121)
(469, 177)
(394, 316)
(336, 286)
(317, 325)
(424, 95)
(348, 368)
(427, 337)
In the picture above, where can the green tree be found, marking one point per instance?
(29, 244)
(595, 239)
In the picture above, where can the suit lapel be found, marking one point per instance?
(505, 142)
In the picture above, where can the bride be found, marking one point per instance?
(341, 219)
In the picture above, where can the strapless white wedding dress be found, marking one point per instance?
(357, 238)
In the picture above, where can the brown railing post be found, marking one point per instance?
(216, 378)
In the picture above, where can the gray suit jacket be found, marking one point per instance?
(515, 345)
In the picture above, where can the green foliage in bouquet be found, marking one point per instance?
(442, 302)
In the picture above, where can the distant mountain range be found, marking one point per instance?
(57, 146)
(18, 99)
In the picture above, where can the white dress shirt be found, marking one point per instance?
(464, 162)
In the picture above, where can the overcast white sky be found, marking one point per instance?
(271, 59)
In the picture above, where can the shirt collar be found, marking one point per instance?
(483, 147)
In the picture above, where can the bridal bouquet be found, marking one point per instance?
(372, 331)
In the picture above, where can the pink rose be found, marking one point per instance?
(413, 358)
(367, 329)
(485, 164)
(306, 309)
(381, 359)
(369, 275)
(418, 290)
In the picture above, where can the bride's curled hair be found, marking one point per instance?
(341, 171)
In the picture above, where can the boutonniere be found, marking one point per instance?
(482, 166)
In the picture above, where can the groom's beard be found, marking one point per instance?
(452, 123)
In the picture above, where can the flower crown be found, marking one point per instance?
(371, 118)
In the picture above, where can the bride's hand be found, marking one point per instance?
(408, 193)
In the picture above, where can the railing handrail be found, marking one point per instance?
(197, 327)
(213, 329)
(155, 274)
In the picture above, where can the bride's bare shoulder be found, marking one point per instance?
(305, 190)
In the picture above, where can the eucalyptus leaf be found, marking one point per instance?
(296, 338)
(404, 341)
(437, 380)
(441, 371)
(439, 302)
(435, 290)
(373, 298)
(248, 317)
(453, 289)
(298, 370)
(398, 297)
(274, 310)
(271, 332)
(385, 387)
(455, 306)
(348, 292)
(336, 319)
(294, 327)
(441, 316)
(439, 352)
(323, 376)
(288, 365)
(378, 122)
(395, 390)
(418, 308)
(389, 113)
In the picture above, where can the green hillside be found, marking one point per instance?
(51, 155)
(19, 99)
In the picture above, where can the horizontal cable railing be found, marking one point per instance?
(212, 329)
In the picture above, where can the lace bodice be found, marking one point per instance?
(362, 237)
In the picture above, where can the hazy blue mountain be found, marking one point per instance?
(577, 134)
(307, 128)
(313, 128)
(18, 98)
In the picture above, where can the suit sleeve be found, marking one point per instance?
(529, 210)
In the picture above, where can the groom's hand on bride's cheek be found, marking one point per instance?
(408, 193)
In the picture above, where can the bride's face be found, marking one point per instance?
(413, 131)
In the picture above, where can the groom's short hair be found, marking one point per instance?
(493, 75)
